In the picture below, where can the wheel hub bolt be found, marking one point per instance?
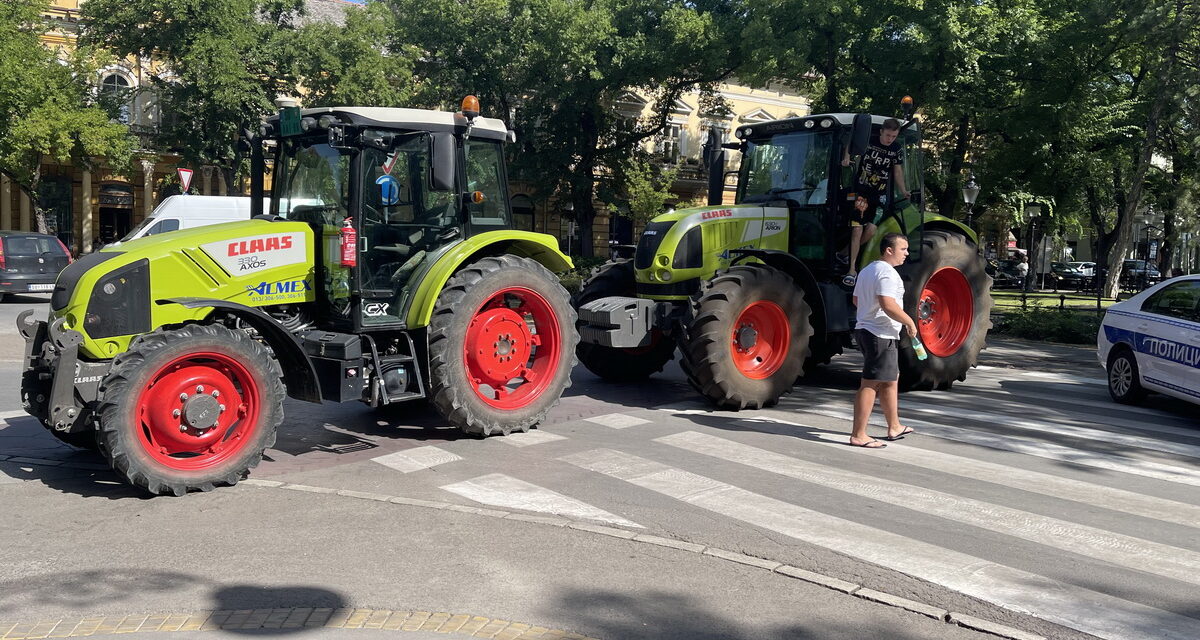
(175, 413)
(222, 408)
(183, 397)
(199, 388)
(183, 427)
(216, 393)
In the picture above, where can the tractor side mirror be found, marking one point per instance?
(860, 134)
(444, 162)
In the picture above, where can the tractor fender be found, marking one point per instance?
(298, 373)
(539, 247)
(826, 314)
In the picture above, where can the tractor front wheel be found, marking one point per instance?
(947, 293)
(189, 408)
(616, 278)
(746, 337)
(501, 345)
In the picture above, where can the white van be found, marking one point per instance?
(188, 212)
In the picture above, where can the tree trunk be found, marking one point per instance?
(948, 201)
(1133, 198)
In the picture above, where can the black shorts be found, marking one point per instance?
(880, 356)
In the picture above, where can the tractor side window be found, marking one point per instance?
(911, 156)
(485, 174)
(315, 181)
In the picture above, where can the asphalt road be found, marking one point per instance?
(1026, 498)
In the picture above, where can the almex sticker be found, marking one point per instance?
(282, 291)
(242, 256)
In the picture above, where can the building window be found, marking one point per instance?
(114, 88)
(670, 143)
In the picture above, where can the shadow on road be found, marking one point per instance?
(82, 593)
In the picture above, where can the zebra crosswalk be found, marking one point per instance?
(1054, 503)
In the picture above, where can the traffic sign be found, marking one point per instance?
(185, 178)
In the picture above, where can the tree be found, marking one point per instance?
(224, 63)
(555, 69)
(46, 104)
(646, 189)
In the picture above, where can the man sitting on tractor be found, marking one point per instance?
(883, 158)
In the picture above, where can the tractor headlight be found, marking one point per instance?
(120, 302)
(663, 260)
(664, 275)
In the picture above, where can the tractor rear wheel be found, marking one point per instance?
(501, 345)
(190, 408)
(616, 278)
(946, 292)
(746, 337)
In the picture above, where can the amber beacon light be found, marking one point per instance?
(470, 107)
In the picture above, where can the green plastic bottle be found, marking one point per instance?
(919, 348)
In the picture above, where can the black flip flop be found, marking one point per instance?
(900, 436)
(868, 443)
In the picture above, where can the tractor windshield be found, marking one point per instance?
(793, 165)
(313, 183)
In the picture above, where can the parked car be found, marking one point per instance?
(30, 262)
(1138, 273)
(1151, 342)
(188, 212)
(1063, 275)
(1004, 274)
(1086, 268)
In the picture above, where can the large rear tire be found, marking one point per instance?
(616, 278)
(947, 293)
(190, 408)
(746, 337)
(501, 345)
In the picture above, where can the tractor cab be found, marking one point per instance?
(798, 162)
(392, 190)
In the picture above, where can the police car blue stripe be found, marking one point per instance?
(1194, 326)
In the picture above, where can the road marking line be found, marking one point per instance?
(499, 490)
(1068, 605)
(1126, 551)
(1046, 484)
(1104, 404)
(1031, 447)
(617, 420)
(529, 438)
(416, 459)
(1083, 433)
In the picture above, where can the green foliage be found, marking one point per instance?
(1050, 325)
(572, 279)
(45, 105)
(647, 189)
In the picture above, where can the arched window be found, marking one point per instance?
(115, 87)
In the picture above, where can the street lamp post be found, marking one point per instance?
(1033, 210)
(970, 191)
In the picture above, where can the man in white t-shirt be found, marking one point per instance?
(879, 296)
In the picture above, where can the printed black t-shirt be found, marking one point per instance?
(877, 163)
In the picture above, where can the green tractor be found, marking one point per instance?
(387, 270)
(751, 293)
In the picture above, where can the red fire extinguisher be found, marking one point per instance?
(349, 244)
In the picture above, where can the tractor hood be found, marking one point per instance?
(677, 248)
(118, 292)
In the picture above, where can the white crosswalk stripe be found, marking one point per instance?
(1010, 374)
(617, 420)
(1127, 551)
(1099, 614)
(1030, 446)
(499, 490)
(1102, 411)
(531, 437)
(1039, 426)
(416, 459)
(1096, 495)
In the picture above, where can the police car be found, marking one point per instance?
(1151, 342)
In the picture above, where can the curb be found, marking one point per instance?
(829, 582)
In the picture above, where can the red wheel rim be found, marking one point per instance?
(945, 312)
(512, 348)
(198, 411)
(760, 339)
